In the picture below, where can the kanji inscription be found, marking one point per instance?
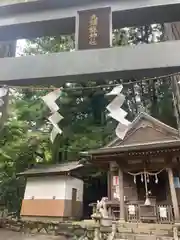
(94, 28)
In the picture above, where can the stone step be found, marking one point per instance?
(124, 230)
(151, 232)
(155, 226)
(135, 237)
(141, 237)
(144, 230)
(151, 226)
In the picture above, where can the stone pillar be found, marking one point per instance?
(173, 195)
(121, 194)
(7, 49)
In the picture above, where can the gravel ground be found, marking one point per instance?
(8, 235)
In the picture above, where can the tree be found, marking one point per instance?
(22, 146)
(172, 32)
(153, 96)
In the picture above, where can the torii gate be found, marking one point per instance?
(54, 17)
(92, 22)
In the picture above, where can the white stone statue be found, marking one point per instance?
(102, 209)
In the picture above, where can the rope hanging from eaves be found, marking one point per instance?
(146, 175)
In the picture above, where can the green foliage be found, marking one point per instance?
(22, 145)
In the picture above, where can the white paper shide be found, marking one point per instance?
(56, 117)
(117, 113)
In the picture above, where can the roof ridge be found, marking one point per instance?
(148, 117)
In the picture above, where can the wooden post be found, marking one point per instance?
(109, 181)
(121, 194)
(173, 195)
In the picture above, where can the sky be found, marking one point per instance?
(20, 46)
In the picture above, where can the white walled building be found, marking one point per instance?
(53, 192)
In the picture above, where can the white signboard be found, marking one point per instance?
(116, 193)
(131, 210)
(163, 212)
(115, 180)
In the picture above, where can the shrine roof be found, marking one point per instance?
(137, 147)
(145, 133)
(52, 169)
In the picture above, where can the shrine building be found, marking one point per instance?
(53, 192)
(143, 172)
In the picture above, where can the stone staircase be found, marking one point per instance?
(133, 231)
(144, 231)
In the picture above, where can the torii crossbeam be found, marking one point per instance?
(55, 17)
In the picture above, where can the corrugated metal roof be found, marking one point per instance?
(50, 169)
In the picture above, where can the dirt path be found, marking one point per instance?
(8, 235)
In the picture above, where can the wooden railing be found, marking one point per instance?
(132, 213)
(136, 212)
(168, 217)
(154, 213)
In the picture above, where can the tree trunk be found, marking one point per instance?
(172, 32)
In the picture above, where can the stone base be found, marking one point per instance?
(121, 221)
(177, 223)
